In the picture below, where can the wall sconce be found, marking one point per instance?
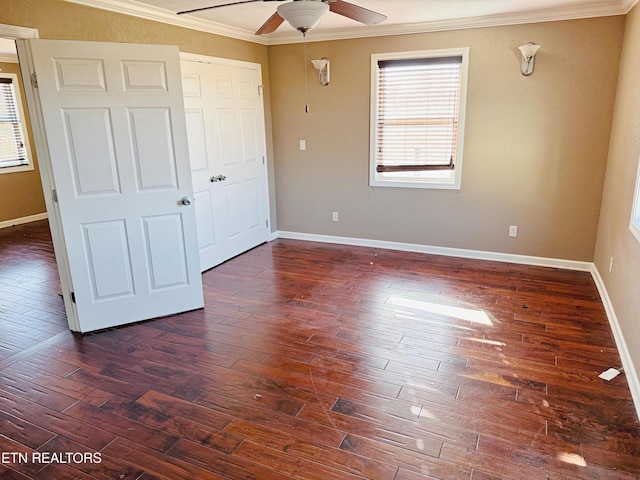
(528, 58)
(322, 67)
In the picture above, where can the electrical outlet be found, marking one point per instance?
(513, 230)
(334, 216)
(303, 145)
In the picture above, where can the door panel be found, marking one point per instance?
(153, 152)
(248, 123)
(205, 220)
(113, 119)
(165, 251)
(227, 138)
(109, 277)
(90, 149)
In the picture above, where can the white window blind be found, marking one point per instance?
(12, 146)
(418, 113)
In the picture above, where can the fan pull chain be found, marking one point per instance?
(306, 82)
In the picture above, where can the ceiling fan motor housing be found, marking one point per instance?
(303, 15)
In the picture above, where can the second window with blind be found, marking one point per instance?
(14, 146)
(417, 118)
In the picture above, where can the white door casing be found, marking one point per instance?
(226, 132)
(117, 156)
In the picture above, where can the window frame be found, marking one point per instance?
(634, 223)
(375, 178)
(17, 94)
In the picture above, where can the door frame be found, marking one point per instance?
(15, 32)
(48, 184)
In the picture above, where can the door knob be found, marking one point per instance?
(185, 201)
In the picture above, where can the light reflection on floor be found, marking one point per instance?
(461, 313)
(573, 459)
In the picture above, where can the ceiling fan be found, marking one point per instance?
(303, 15)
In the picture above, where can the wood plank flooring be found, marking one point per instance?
(318, 362)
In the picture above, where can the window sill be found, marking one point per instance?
(22, 168)
(421, 184)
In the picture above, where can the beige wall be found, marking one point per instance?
(535, 147)
(614, 237)
(534, 154)
(21, 192)
(56, 19)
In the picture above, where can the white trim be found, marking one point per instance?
(519, 18)
(625, 356)
(627, 5)
(14, 32)
(169, 17)
(22, 220)
(8, 58)
(446, 251)
(196, 57)
(136, 9)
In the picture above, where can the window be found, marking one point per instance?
(417, 118)
(14, 148)
(635, 212)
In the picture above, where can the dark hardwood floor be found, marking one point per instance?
(318, 362)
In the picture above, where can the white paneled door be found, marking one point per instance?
(226, 132)
(114, 157)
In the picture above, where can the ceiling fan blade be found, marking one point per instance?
(271, 24)
(217, 6)
(354, 12)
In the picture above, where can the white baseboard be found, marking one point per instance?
(21, 220)
(450, 252)
(623, 350)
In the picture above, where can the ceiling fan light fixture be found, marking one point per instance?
(303, 15)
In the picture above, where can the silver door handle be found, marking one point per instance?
(218, 178)
(185, 201)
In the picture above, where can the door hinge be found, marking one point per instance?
(34, 80)
(267, 223)
(260, 87)
(54, 195)
(73, 297)
(263, 159)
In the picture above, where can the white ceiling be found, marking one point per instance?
(404, 16)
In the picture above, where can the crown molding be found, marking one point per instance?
(629, 4)
(169, 17)
(600, 8)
